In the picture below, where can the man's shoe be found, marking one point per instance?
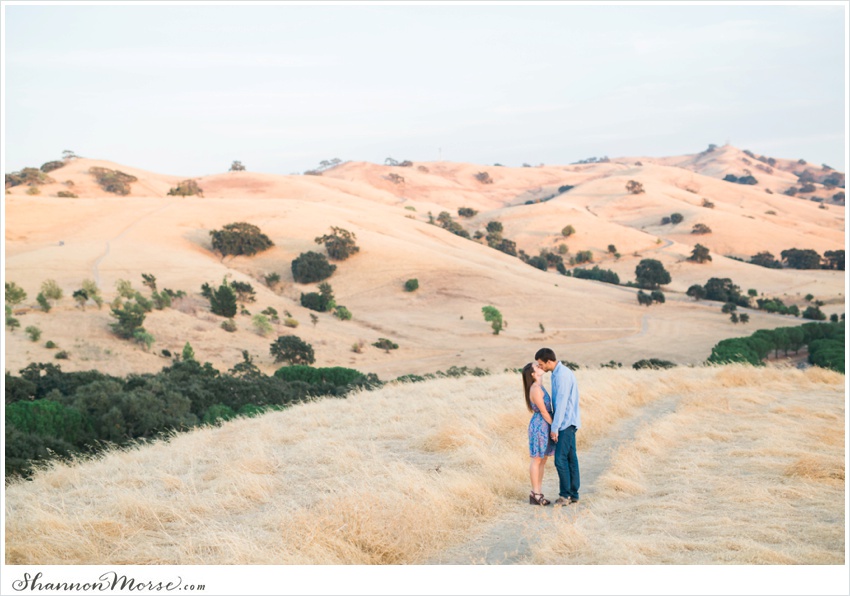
(562, 501)
(573, 500)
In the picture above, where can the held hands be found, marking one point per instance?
(554, 435)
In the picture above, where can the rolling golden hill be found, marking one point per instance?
(105, 238)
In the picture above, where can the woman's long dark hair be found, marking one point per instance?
(527, 382)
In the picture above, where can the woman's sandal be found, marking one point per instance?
(537, 499)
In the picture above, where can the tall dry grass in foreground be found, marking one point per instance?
(398, 475)
(749, 469)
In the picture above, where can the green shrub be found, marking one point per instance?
(92, 291)
(262, 324)
(653, 363)
(217, 414)
(292, 349)
(310, 267)
(52, 165)
(129, 319)
(50, 345)
(33, 332)
(65, 194)
(336, 375)
(239, 238)
(385, 344)
(142, 337)
(342, 313)
(340, 243)
(113, 181)
(28, 176)
(14, 293)
(597, 274)
(272, 279)
(411, 285)
(48, 418)
(187, 188)
(223, 301)
(494, 317)
(290, 322)
(322, 301)
(814, 313)
(63, 355)
(228, 325)
(51, 289)
(11, 322)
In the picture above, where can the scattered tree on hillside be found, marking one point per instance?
(568, 231)
(466, 212)
(239, 238)
(650, 274)
(186, 188)
(634, 187)
(113, 181)
(765, 259)
(676, 218)
(834, 259)
(696, 291)
(494, 317)
(237, 166)
(340, 243)
(447, 223)
(484, 178)
(321, 301)
(28, 176)
(796, 258)
(14, 293)
(292, 349)
(129, 318)
(222, 300)
(385, 344)
(310, 267)
(700, 254)
(52, 165)
(701, 228)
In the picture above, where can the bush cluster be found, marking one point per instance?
(310, 267)
(113, 181)
(596, 274)
(28, 176)
(239, 238)
(51, 414)
(187, 188)
(756, 347)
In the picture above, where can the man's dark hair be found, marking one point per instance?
(546, 355)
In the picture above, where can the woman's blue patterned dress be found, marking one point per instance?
(540, 444)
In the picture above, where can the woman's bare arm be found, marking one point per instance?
(536, 395)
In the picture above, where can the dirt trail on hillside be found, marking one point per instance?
(504, 541)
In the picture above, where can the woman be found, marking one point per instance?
(540, 444)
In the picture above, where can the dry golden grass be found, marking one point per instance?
(748, 470)
(401, 474)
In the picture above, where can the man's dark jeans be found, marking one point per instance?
(566, 462)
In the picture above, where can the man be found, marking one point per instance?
(565, 422)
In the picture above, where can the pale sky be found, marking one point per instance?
(187, 89)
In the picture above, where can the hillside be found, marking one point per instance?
(350, 481)
(104, 237)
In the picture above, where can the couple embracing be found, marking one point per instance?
(553, 426)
